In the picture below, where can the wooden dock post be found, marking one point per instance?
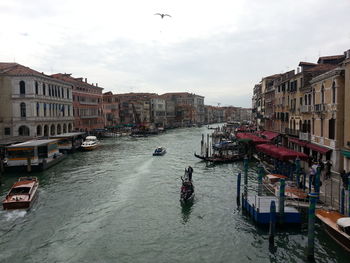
(260, 179)
(29, 164)
(317, 180)
(349, 195)
(281, 200)
(238, 189)
(245, 164)
(202, 143)
(272, 223)
(342, 200)
(311, 226)
(297, 171)
(310, 184)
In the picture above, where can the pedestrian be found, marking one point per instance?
(328, 169)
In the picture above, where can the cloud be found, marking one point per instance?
(216, 49)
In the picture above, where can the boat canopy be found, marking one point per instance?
(281, 153)
(269, 135)
(91, 138)
(344, 222)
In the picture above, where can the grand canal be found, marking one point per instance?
(121, 204)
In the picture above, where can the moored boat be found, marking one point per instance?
(22, 194)
(336, 225)
(90, 143)
(159, 151)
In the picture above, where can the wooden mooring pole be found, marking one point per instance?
(272, 223)
(29, 164)
(281, 200)
(260, 179)
(238, 189)
(342, 200)
(311, 226)
(245, 164)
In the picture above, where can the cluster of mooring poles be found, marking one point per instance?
(280, 216)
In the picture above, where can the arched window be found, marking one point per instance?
(52, 129)
(70, 127)
(36, 88)
(46, 130)
(22, 87)
(64, 128)
(305, 99)
(23, 110)
(44, 89)
(309, 99)
(67, 93)
(38, 130)
(62, 93)
(333, 92)
(50, 90)
(322, 95)
(23, 131)
(69, 110)
(37, 109)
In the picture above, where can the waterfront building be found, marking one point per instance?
(158, 111)
(256, 105)
(87, 103)
(32, 103)
(328, 117)
(110, 106)
(346, 140)
(189, 107)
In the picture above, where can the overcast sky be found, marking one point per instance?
(218, 49)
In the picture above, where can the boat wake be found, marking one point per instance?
(13, 215)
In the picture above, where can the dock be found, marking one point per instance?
(258, 207)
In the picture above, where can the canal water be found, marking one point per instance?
(121, 204)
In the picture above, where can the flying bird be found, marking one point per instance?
(162, 15)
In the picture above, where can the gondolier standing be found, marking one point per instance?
(190, 171)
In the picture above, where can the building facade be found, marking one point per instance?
(32, 103)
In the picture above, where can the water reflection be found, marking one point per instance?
(186, 210)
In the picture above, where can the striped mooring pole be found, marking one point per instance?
(245, 163)
(272, 222)
(260, 180)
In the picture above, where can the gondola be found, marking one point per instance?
(187, 189)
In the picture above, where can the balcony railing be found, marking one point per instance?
(292, 132)
(305, 136)
(319, 107)
(305, 108)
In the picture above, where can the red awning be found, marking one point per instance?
(280, 153)
(296, 141)
(254, 138)
(317, 148)
(269, 135)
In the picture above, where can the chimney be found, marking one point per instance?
(96, 84)
(85, 80)
(298, 70)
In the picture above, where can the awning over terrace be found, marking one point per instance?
(254, 138)
(280, 153)
(317, 148)
(269, 135)
(297, 141)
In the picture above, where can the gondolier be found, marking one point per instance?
(190, 171)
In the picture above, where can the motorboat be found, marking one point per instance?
(90, 143)
(22, 194)
(159, 151)
(336, 225)
(187, 189)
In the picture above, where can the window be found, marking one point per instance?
(67, 93)
(313, 126)
(44, 89)
(305, 100)
(309, 99)
(331, 129)
(44, 109)
(322, 95)
(62, 93)
(49, 90)
(36, 88)
(333, 92)
(7, 131)
(301, 101)
(321, 127)
(23, 110)
(22, 87)
(37, 108)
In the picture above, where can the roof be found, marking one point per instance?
(269, 134)
(68, 134)
(302, 63)
(18, 69)
(32, 143)
(317, 148)
(321, 67)
(334, 57)
(77, 81)
(254, 138)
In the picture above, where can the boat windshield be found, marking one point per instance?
(20, 190)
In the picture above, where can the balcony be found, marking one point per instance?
(319, 107)
(305, 136)
(305, 108)
(292, 132)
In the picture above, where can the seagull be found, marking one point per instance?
(162, 15)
